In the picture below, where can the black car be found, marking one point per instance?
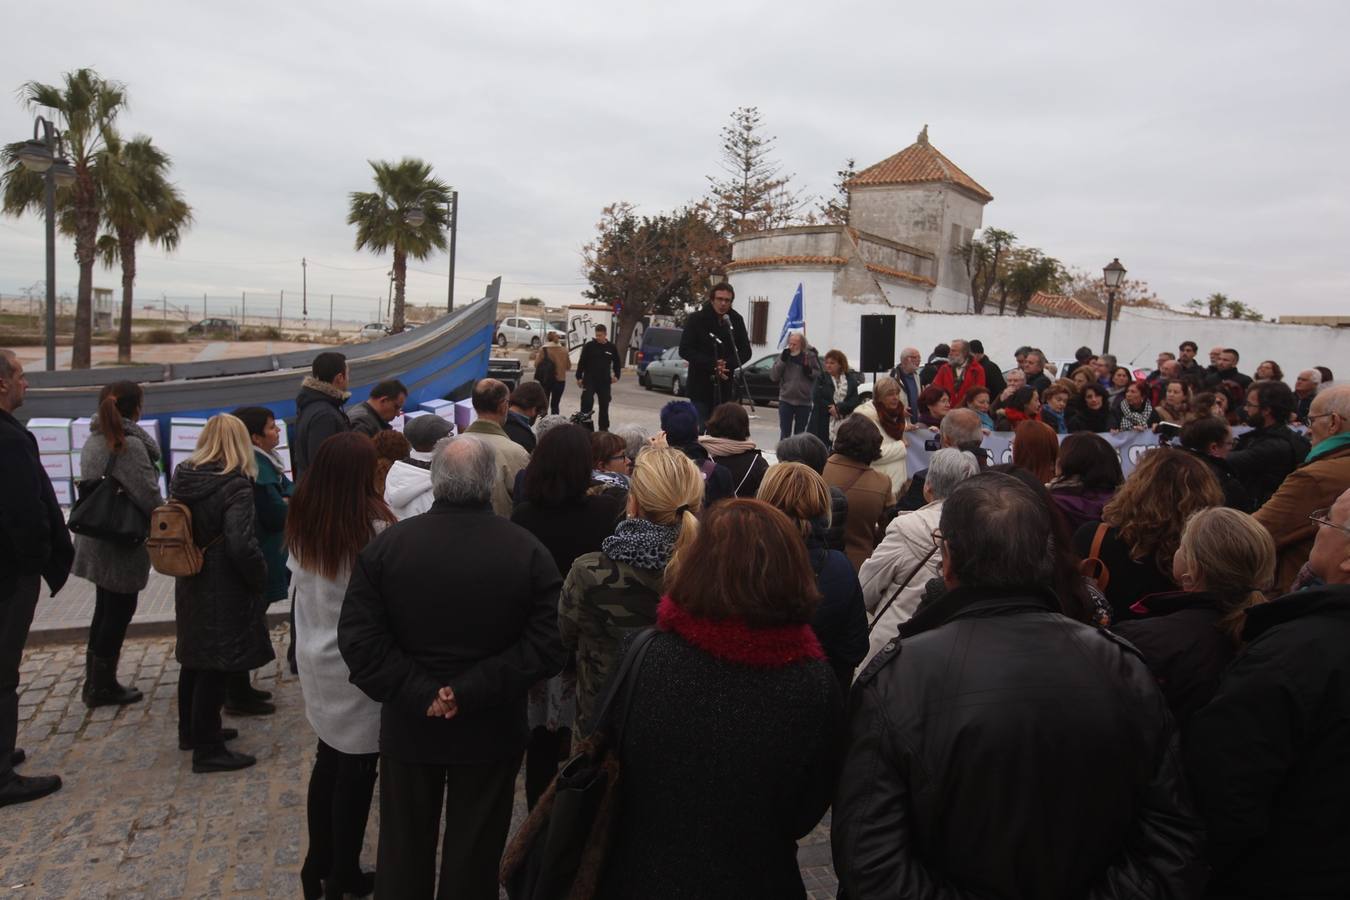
(214, 326)
(655, 340)
(763, 389)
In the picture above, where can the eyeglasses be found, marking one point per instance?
(623, 456)
(1322, 517)
(1312, 419)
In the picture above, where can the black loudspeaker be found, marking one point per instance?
(877, 341)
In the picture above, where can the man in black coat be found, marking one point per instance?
(34, 546)
(1000, 748)
(1267, 755)
(1225, 369)
(318, 408)
(598, 369)
(374, 415)
(993, 375)
(715, 344)
(1264, 456)
(448, 620)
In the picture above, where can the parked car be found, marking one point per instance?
(763, 389)
(655, 341)
(520, 330)
(668, 371)
(373, 330)
(214, 326)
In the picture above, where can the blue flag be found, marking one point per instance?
(794, 320)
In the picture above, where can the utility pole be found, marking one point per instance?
(304, 290)
(203, 306)
(164, 298)
(243, 307)
(454, 229)
(330, 312)
(280, 307)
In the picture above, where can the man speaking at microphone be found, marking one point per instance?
(715, 344)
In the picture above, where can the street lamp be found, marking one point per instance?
(1113, 273)
(44, 155)
(416, 217)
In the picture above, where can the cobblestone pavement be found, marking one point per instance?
(132, 821)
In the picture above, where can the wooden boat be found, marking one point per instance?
(433, 360)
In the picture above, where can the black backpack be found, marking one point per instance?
(545, 371)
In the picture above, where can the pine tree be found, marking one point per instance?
(753, 194)
(835, 210)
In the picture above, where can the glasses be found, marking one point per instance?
(1323, 517)
(623, 456)
(1312, 419)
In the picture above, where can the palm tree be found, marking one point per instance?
(139, 203)
(381, 218)
(88, 106)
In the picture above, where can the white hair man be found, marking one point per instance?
(1305, 389)
(1323, 476)
(893, 577)
(449, 618)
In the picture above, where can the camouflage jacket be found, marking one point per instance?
(601, 603)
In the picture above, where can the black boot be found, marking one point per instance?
(218, 759)
(101, 687)
(20, 789)
(226, 734)
(242, 700)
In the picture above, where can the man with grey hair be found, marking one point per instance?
(995, 706)
(448, 620)
(959, 373)
(961, 429)
(1305, 389)
(907, 373)
(34, 546)
(894, 576)
(491, 403)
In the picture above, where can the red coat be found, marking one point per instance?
(946, 379)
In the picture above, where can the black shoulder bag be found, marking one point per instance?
(559, 852)
(106, 511)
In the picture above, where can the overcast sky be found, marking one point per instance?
(1205, 144)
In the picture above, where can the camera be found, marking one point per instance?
(932, 445)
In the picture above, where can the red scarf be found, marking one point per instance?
(1015, 415)
(771, 647)
(893, 424)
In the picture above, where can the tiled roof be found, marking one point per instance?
(786, 261)
(919, 163)
(1064, 306)
(897, 273)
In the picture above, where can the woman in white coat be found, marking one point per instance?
(335, 512)
(887, 410)
(908, 556)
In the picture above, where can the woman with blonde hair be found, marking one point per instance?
(840, 621)
(887, 411)
(220, 611)
(1188, 637)
(612, 592)
(1129, 552)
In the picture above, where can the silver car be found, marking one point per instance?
(668, 372)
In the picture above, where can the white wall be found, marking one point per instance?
(1136, 338)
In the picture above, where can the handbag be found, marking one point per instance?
(559, 851)
(106, 511)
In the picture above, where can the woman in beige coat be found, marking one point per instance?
(887, 410)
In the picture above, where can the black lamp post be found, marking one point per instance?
(417, 217)
(1112, 275)
(44, 155)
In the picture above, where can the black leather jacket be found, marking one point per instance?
(1000, 749)
(1262, 458)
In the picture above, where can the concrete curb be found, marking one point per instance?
(148, 627)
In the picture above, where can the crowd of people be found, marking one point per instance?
(1035, 679)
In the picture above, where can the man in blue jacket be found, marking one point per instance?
(34, 546)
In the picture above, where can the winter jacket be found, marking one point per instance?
(1235, 494)
(1263, 457)
(319, 416)
(957, 386)
(571, 528)
(832, 535)
(1267, 755)
(33, 535)
(698, 348)
(907, 549)
(1130, 579)
(596, 363)
(511, 458)
(517, 428)
(1180, 639)
(457, 597)
(1079, 418)
(747, 471)
(118, 567)
(1313, 485)
(796, 376)
(993, 376)
(1127, 418)
(1055, 420)
(869, 497)
(341, 715)
(270, 493)
(603, 601)
(562, 360)
(407, 489)
(840, 622)
(728, 755)
(822, 398)
(364, 419)
(892, 463)
(220, 611)
(717, 481)
(1216, 377)
(1001, 749)
(1079, 505)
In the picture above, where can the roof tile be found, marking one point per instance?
(919, 163)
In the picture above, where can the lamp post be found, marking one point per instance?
(45, 156)
(1113, 273)
(417, 217)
